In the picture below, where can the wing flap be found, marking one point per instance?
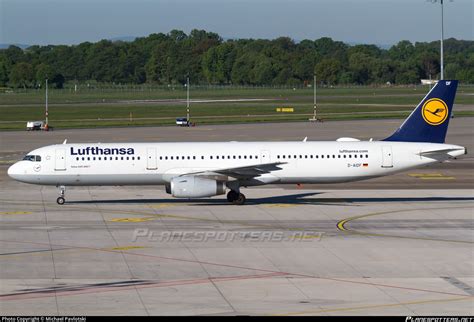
(246, 172)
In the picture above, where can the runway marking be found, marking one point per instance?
(163, 205)
(281, 205)
(243, 267)
(15, 213)
(341, 225)
(127, 247)
(431, 176)
(131, 219)
(438, 178)
(378, 306)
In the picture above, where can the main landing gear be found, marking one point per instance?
(61, 200)
(235, 197)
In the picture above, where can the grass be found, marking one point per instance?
(101, 108)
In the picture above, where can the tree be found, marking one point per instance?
(22, 75)
(328, 71)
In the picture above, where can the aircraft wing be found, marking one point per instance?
(246, 172)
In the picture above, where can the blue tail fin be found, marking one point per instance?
(429, 121)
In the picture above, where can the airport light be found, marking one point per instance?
(46, 111)
(442, 36)
(187, 98)
(314, 99)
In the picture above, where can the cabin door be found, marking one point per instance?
(60, 160)
(151, 159)
(387, 157)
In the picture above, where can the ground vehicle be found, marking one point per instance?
(34, 125)
(182, 121)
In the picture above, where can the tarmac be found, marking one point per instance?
(399, 245)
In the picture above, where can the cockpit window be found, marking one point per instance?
(33, 158)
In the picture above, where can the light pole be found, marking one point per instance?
(46, 111)
(441, 76)
(442, 38)
(314, 98)
(187, 99)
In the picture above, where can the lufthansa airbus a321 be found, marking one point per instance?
(195, 170)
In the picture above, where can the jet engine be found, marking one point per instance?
(194, 187)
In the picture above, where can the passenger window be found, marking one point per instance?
(171, 158)
(283, 156)
(138, 158)
(338, 156)
(350, 156)
(311, 156)
(366, 155)
(77, 158)
(317, 156)
(250, 157)
(333, 156)
(322, 156)
(240, 157)
(245, 157)
(121, 158)
(127, 158)
(202, 157)
(194, 157)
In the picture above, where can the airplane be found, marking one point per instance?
(205, 169)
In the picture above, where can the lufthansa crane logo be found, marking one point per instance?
(434, 111)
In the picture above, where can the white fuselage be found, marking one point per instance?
(158, 163)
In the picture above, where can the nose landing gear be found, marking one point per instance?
(61, 200)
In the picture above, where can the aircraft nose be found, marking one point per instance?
(14, 171)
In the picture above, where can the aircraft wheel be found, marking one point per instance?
(60, 201)
(240, 199)
(232, 196)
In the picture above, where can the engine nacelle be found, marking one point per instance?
(195, 187)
